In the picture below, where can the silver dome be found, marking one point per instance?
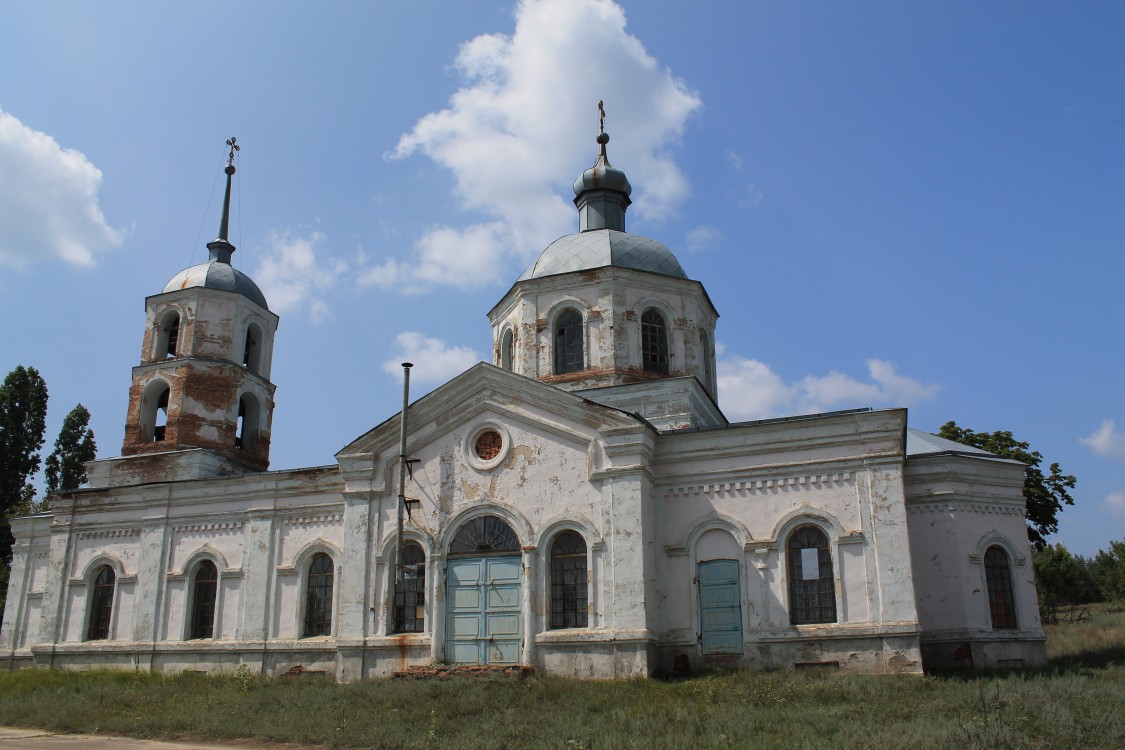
(215, 274)
(604, 247)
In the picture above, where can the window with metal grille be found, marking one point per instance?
(568, 343)
(507, 345)
(568, 581)
(410, 592)
(998, 576)
(318, 597)
(205, 584)
(812, 588)
(101, 604)
(483, 535)
(654, 342)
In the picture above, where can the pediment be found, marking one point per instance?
(485, 388)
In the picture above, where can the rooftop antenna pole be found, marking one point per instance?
(402, 468)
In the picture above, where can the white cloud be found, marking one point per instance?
(734, 160)
(292, 275)
(434, 360)
(703, 237)
(514, 134)
(458, 257)
(48, 201)
(1115, 503)
(1107, 440)
(749, 389)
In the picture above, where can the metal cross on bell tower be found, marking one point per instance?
(601, 116)
(233, 143)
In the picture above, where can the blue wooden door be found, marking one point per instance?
(483, 610)
(720, 607)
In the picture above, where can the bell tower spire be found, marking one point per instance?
(220, 247)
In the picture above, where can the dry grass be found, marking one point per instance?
(1079, 702)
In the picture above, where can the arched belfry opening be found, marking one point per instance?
(208, 390)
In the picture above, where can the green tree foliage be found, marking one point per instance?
(1109, 570)
(1045, 494)
(23, 419)
(74, 446)
(1063, 579)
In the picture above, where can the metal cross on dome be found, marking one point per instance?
(601, 117)
(233, 143)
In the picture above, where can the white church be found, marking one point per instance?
(580, 506)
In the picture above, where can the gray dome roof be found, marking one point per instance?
(214, 274)
(604, 247)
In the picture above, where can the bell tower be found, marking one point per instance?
(201, 401)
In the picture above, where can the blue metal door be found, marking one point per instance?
(483, 610)
(720, 607)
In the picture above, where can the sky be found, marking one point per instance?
(891, 204)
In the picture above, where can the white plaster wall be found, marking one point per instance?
(958, 507)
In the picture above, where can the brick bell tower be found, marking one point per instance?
(201, 402)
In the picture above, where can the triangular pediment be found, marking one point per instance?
(485, 387)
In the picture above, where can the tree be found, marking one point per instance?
(1062, 579)
(23, 419)
(1109, 570)
(74, 446)
(1045, 495)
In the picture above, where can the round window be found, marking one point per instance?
(488, 445)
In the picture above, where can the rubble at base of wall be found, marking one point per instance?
(445, 671)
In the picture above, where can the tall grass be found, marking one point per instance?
(1078, 703)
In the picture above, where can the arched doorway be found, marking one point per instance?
(482, 594)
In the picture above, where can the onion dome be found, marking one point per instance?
(602, 197)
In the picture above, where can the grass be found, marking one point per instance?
(1078, 702)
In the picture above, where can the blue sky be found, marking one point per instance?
(890, 204)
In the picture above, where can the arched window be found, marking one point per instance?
(812, 588)
(705, 355)
(484, 535)
(507, 344)
(246, 430)
(252, 350)
(998, 576)
(154, 411)
(654, 342)
(568, 343)
(173, 335)
(161, 426)
(204, 586)
(101, 604)
(318, 597)
(410, 591)
(168, 335)
(568, 581)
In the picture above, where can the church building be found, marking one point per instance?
(580, 505)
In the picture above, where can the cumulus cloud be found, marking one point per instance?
(1115, 503)
(1107, 440)
(48, 201)
(444, 255)
(434, 360)
(293, 276)
(749, 389)
(512, 135)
